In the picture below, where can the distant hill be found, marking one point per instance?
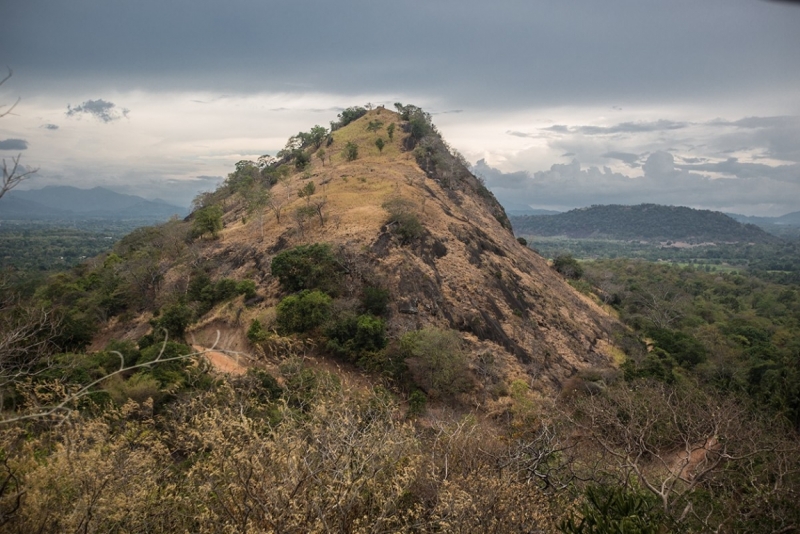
(65, 202)
(645, 222)
(786, 226)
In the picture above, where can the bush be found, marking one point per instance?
(225, 289)
(437, 361)
(417, 402)
(308, 267)
(256, 333)
(207, 220)
(351, 151)
(374, 300)
(404, 221)
(130, 354)
(686, 350)
(609, 509)
(169, 373)
(246, 288)
(174, 319)
(303, 312)
(355, 337)
(568, 266)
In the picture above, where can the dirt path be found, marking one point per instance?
(224, 363)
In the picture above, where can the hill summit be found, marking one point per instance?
(379, 210)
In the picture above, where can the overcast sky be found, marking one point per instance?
(559, 104)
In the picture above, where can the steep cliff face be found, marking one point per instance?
(411, 219)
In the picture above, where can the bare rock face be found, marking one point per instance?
(412, 219)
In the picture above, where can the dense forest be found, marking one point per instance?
(779, 262)
(347, 412)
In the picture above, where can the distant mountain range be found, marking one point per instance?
(645, 222)
(790, 219)
(67, 202)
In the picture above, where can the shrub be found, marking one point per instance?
(169, 373)
(522, 241)
(303, 312)
(301, 159)
(614, 509)
(416, 403)
(256, 333)
(405, 222)
(174, 319)
(685, 349)
(408, 227)
(207, 220)
(568, 266)
(308, 267)
(350, 151)
(437, 361)
(380, 143)
(374, 300)
(246, 288)
(130, 354)
(225, 289)
(354, 337)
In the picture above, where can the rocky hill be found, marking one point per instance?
(407, 219)
(348, 338)
(645, 222)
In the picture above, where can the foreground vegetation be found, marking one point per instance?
(343, 425)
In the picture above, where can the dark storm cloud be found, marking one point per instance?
(14, 144)
(429, 48)
(99, 109)
(624, 127)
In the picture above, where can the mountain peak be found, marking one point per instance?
(405, 215)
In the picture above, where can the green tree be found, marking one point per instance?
(568, 266)
(207, 220)
(437, 361)
(321, 155)
(317, 135)
(258, 198)
(374, 126)
(390, 131)
(307, 191)
(307, 267)
(303, 312)
(380, 144)
(351, 151)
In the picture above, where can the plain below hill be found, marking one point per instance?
(67, 202)
(650, 223)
